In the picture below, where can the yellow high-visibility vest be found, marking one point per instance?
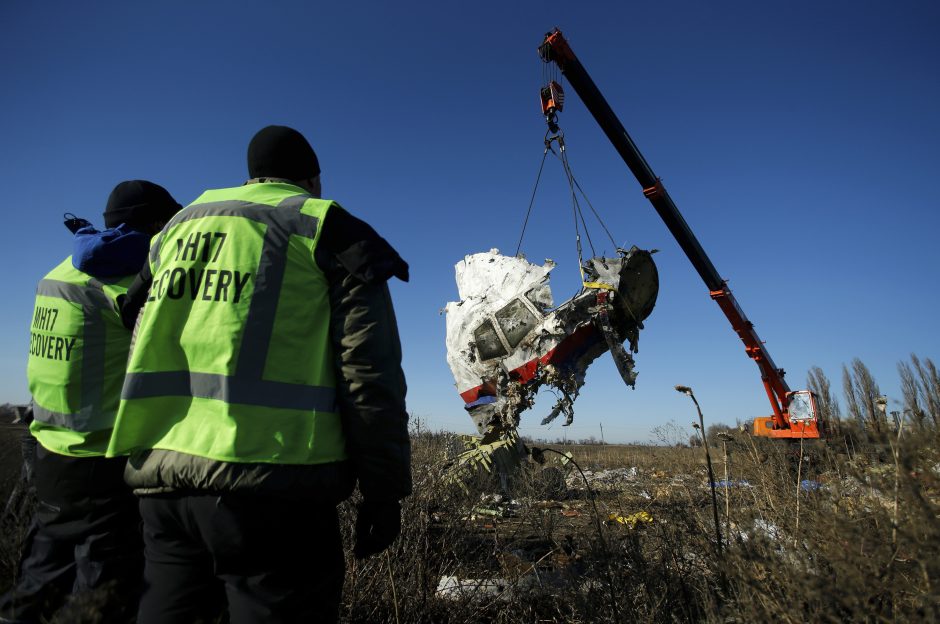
(77, 356)
(232, 358)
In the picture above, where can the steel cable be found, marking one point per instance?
(532, 200)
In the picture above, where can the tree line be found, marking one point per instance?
(867, 410)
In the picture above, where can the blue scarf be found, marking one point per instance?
(111, 253)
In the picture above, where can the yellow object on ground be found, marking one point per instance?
(632, 520)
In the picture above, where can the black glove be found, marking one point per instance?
(74, 223)
(377, 526)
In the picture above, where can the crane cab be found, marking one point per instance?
(801, 414)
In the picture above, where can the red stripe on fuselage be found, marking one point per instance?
(525, 373)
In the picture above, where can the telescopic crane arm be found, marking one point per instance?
(555, 49)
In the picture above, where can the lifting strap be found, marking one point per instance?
(555, 135)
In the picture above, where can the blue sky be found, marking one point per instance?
(799, 140)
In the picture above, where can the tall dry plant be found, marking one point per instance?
(861, 394)
(686, 390)
(826, 403)
(911, 393)
(929, 384)
(854, 412)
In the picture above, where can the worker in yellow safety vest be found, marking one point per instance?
(265, 380)
(84, 545)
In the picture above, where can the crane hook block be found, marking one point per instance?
(553, 98)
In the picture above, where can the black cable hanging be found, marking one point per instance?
(576, 206)
(575, 188)
(532, 199)
(596, 214)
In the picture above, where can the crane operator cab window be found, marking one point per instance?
(802, 406)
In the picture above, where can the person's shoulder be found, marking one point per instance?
(345, 226)
(56, 272)
(359, 248)
(111, 253)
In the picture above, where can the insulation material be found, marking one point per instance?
(506, 340)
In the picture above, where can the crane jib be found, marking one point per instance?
(555, 48)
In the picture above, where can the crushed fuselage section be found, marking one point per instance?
(506, 340)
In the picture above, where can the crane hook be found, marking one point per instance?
(553, 101)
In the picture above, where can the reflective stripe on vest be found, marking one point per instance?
(86, 362)
(238, 388)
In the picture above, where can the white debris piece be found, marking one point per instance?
(453, 588)
(486, 282)
(498, 588)
(491, 274)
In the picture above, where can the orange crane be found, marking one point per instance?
(795, 413)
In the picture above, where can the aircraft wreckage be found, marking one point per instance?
(506, 339)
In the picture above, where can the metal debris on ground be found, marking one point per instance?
(610, 479)
(501, 455)
(731, 483)
(768, 529)
(809, 485)
(453, 588)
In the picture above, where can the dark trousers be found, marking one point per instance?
(270, 560)
(84, 546)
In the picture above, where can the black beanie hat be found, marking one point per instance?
(281, 152)
(138, 203)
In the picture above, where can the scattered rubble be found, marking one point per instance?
(759, 527)
(454, 588)
(611, 479)
(532, 581)
(732, 483)
(809, 485)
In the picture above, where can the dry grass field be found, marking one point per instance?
(830, 532)
(826, 532)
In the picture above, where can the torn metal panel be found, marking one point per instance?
(505, 340)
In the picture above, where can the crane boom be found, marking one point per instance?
(555, 48)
